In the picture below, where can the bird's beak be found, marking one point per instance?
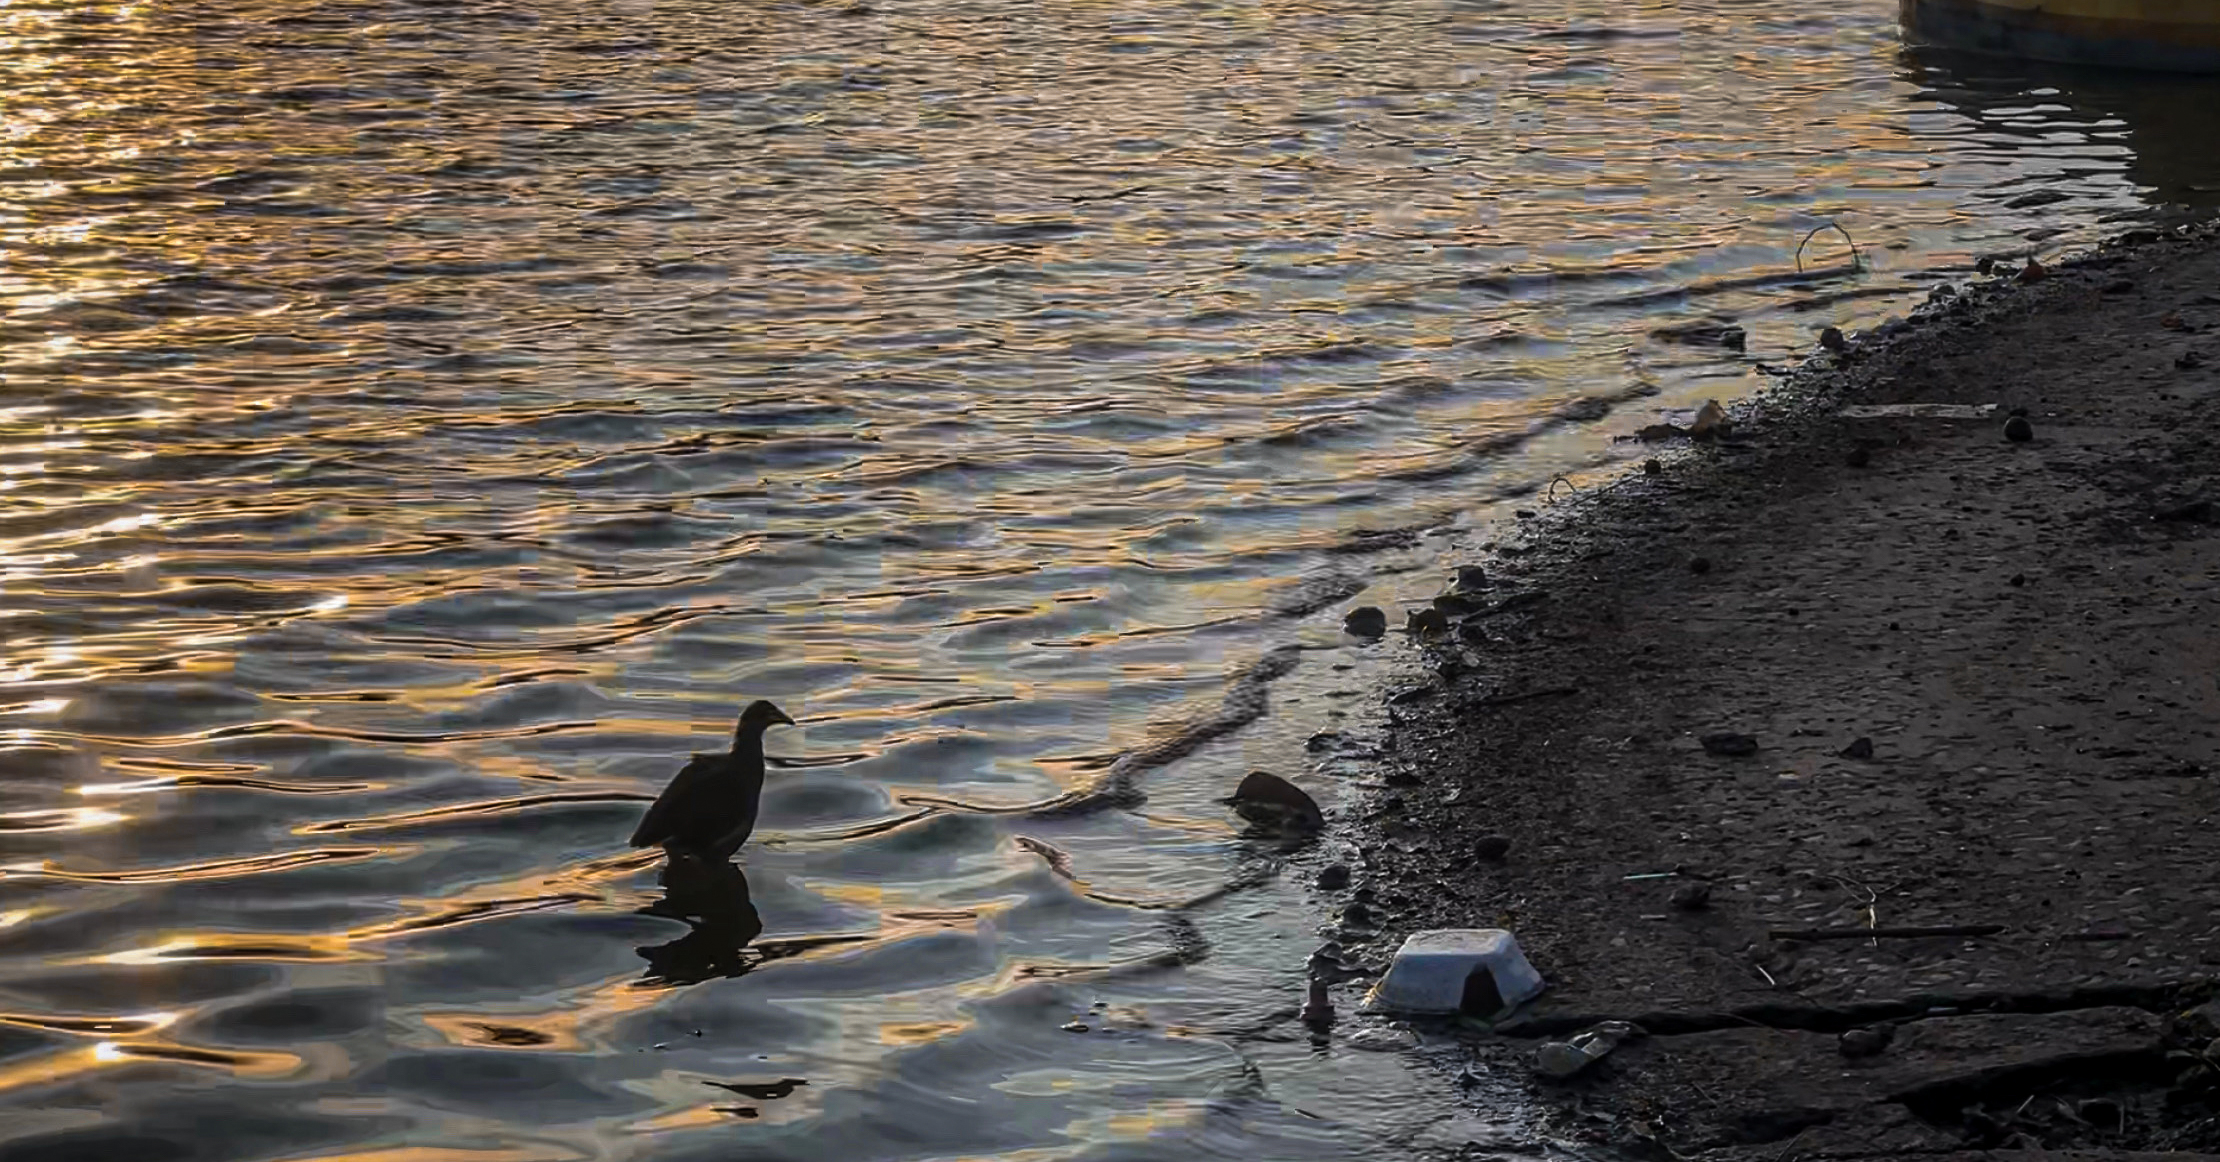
(782, 718)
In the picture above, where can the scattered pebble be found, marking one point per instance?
(1865, 1042)
(2119, 286)
(1691, 897)
(1470, 577)
(2034, 271)
(1324, 740)
(2101, 1112)
(2195, 511)
(1492, 847)
(1356, 915)
(1727, 742)
(1333, 877)
(1860, 749)
(1075, 1026)
(1381, 1040)
(2189, 360)
(1425, 623)
(2018, 430)
(1457, 604)
(1859, 457)
(1831, 339)
(1365, 621)
(1652, 467)
(2017, 580)
(1699, 565)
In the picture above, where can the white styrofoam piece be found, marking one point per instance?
(1430, 971)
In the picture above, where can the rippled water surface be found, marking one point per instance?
(424, 424)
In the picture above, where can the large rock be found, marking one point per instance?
(1268, 800)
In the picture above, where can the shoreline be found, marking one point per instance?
(2027, 636)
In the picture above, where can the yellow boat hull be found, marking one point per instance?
(2172, 35)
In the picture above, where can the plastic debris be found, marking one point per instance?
(1562, 1059)
(1479, 972)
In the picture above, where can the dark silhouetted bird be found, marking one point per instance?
(709, 809)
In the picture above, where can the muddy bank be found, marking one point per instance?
(1982, 676)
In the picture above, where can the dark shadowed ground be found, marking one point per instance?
(2026, 634)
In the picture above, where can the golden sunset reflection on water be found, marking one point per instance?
(423, 425)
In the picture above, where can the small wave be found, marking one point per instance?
(470, 811)
(216, 870)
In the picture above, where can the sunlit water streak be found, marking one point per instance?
(423, 424)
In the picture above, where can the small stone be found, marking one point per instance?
(1425, 623)
(1356, 915)
(1984, 264)
(1699, 565)
(1831, 339)
(1318, 1007)
(2018, 430)
(2119, 286)
(1324, 740)
(2033, 272)
(2101, 1112)
(2017, 580)
(1333, 877)
(1381, 1040)
(1727, 742)
(1652, 467)
(1076, 1026)
(1858, 458)
(1455, 604)
(1409, 694)
(1470, 578)
(1867, 1041)
(1860, 749)
(1691, 897)
(2189, 360)
(1492, 847)
(2194, 512)
(1365, 621)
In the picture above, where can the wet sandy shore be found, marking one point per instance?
(1983, 679)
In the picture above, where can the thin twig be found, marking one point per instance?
(1865, 933)
(1524, 695)
(1857, 260)
(1553, 485)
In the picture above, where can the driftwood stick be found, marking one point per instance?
(1865, 933)
(1524, 695)
(1857, 261)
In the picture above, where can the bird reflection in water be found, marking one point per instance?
(712, 897)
